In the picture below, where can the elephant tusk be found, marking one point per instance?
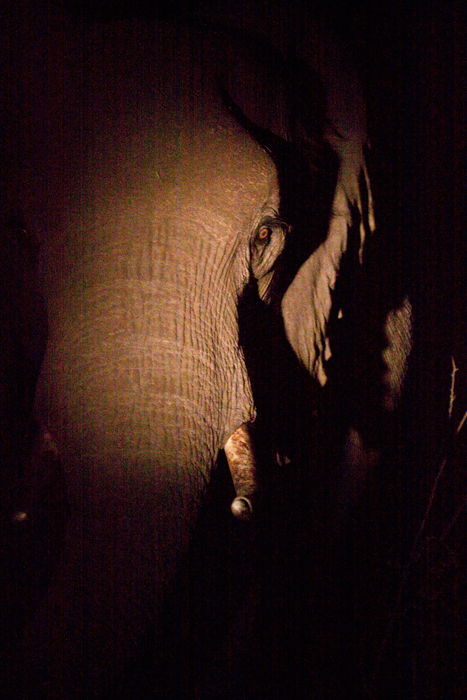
(242, 464)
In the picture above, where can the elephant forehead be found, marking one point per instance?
(157, 193)
(199, 217)
(216, 170)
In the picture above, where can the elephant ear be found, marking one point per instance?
(398, 335)
(308, 114)
(310, 300)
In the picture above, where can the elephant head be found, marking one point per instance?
(163, 169)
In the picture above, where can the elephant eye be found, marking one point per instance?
(267, 244)
(264, 234)
(267, 230)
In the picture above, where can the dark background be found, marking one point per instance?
(412, 60)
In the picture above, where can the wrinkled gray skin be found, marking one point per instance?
(146, 195)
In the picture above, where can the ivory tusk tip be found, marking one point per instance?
(19, 517)
(242, 509)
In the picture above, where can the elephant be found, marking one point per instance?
(167, 170)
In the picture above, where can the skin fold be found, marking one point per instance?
(150, 163)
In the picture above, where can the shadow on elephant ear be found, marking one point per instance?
(307, 167)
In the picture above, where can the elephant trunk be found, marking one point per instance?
(138, 413)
